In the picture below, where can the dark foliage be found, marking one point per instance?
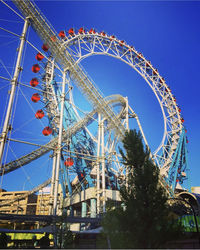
(144, 220)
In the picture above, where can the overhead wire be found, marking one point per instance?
(22, 167)
(13, 10)
(10, 21)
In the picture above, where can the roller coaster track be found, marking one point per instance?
(60, 51)
(45, 31)
(13, 165)
(62, 55)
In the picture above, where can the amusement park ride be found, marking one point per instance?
(85, 161)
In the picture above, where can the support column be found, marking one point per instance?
(98, 163)
(58, 155)
(103, 167)
(93, 210)
(14, 83)
(52, 184)
(127, 117)
(127, 127)
(83, 213)
(84, 209)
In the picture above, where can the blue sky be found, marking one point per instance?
(167, 34)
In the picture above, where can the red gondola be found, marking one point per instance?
(45, 47)
(34, 82)
(102, 33)
(162, 80)
(182, 120)
(39, 57)
(61, 34)
(121, 43)
(92, 31)
(81, 31)
(47, 131)
(35, 97)
(39, 114)
(112, 37)
(69, 162)
(71, 32)
(155, 71)
(139, 55)
(53, 38)
(35, 68)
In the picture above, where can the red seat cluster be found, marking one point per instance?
(35, 97)
(47, 131)
(39, 57)
(39, 114)
(71, 32)
(112, 37)
(34, 82)
(92, 31)
(53, 38)
(35, 68)
(121, 43)
(69, 162)
(102, 33)
(61, 34)
(81, 31)
(45, 47)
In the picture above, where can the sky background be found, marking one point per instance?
(167, 34)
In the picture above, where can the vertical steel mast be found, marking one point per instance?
(59, 147)
(14, 83)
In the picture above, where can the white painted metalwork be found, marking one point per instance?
(83, 45)
(59, 146)
(14, 83)
(68, 53)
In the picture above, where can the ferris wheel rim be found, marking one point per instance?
(76, 37)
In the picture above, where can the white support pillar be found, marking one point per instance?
(103, 167)
(14, 83)
(58, 154)
(127, 127)
(52, 183)
(98, 163)
(127, 117)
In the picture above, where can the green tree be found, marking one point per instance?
(144, 219)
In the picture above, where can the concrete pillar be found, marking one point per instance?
(93, 208)
(84, 209)
(83, 214)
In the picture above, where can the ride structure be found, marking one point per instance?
(84, 150)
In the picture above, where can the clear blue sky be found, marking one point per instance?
(167, 34)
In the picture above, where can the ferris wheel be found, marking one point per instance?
(83, 148)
